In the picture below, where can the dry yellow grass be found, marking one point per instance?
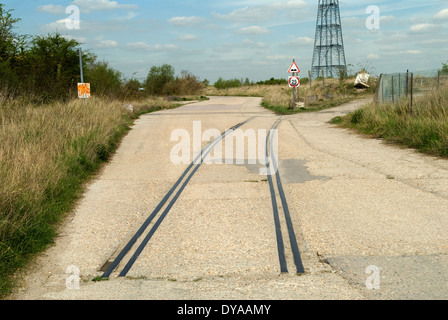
(280, 96)
(46, 154)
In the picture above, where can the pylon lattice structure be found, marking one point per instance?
(329, 54)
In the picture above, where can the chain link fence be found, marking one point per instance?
(395, 86)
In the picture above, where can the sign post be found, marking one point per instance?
(80, 64)
(83, 88)
(293, 93)
(294, 81)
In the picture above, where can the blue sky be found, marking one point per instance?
(242, 39)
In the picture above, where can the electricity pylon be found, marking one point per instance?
(329, 54)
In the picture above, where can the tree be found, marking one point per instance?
(11, 44)
(225, 84)
(186, 84)
(103, 79)
(54, 65)
(444, 68)
(12, 50)
(157, 79)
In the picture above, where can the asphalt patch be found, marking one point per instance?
(296, 171)
(417, 277)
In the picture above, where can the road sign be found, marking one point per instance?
(294, 68)
(294, 82)
(84, 90)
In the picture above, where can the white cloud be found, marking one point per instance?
(443, 14)
(261, 12)
(79, 39)
(129, 16)
(58, 25)
(138, 45)
(143, 46)
(246, 14)
(186, 21)
(422, 27)
(295, 4)
(387, 19)
(89, 27)
(412, 51)
(373, 56)
(253, 30)
(300, 41)
(51, 8)
(253, 44)
(106, 44)
(87, 6)
(188, 37)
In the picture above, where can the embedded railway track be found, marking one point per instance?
(272, 170)
(176, 190)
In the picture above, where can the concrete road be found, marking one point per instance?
(370, 218)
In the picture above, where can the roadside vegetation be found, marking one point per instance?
(424, 127)
(277, 96)
(52, 143)
(48, 153)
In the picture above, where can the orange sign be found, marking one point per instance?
(84, 90)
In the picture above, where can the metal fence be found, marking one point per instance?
(396, 86)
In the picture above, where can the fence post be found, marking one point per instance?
(393, 98)
(407, 83)
(311, 85)
(377, 93)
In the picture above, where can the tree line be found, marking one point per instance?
(236, 83)
(47, 68)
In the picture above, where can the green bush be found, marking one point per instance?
(225, 84)
(158, 78)
(186, 84)
(104, 80)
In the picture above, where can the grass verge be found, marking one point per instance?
(47, 155)
(278, 98)
(424, 128)
(312, 107)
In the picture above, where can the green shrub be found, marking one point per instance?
(225, 84)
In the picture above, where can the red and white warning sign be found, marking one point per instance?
(294, 82)
(294, 68)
